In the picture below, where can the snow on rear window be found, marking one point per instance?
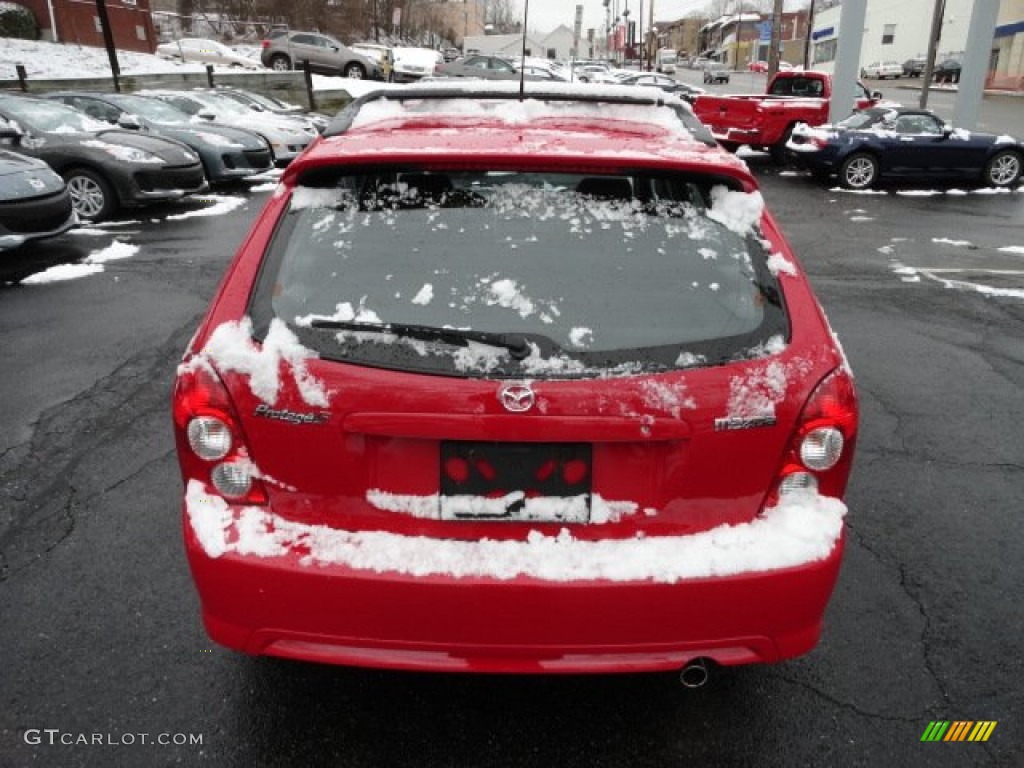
(739, 211)
(592, 273)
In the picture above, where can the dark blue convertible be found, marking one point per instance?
(902, 143)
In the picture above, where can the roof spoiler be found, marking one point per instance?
(443, 91)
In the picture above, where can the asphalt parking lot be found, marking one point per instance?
(924, 287)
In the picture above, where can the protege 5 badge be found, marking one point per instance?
(291, 417)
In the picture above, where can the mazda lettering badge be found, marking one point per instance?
(516, 397)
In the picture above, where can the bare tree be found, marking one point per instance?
(503, 15)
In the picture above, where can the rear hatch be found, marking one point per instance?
(478, 353)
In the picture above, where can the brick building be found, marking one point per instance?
(78, 21)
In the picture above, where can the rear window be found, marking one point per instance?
(797, 86)
(509, 273)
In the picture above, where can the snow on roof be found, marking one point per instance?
(514, 112)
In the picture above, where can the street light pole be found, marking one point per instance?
(652, 33)
(640, 34)
(938, 12)
(625, 31)
(807, 41)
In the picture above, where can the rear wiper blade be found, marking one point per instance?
(516, 345)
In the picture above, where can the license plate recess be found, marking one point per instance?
(537, 482)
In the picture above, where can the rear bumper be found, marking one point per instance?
(21, 222)
(262, 600)
(728, 135)
(164, 184)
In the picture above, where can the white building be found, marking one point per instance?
(893, 31)
(554, 45)
(1007, 62)
(499, 45)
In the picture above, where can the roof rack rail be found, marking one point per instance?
(443, 91)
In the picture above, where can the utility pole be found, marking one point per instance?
(653, 45)
(807, 40)
(933, 44)
(108, 41)
(773, 53)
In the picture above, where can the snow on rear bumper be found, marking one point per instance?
(739, 594)
(752, 136)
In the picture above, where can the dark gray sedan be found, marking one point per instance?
(227, 153)
(104, 168)
(34, 201)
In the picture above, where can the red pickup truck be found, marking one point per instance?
(764, 121)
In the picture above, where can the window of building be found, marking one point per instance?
(888, 34)
(825, 51)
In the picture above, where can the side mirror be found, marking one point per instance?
(947, 130)
(129, 122)
(877, 95)
(206, 114)
(256, 108)
(11, 132)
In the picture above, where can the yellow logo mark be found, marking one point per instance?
(959, 730)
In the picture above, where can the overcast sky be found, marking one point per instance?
(546, 15)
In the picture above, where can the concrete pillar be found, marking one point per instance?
(975, 65)
(847, 67)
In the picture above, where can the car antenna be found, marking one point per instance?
(522, 60)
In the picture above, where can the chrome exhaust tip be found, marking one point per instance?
(695, 674)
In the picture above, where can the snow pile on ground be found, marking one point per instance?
(47, 61)
(91, 265)
(53, 61)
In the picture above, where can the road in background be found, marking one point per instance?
(1000, 113)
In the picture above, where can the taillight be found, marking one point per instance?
(821, 452)
(265, 43)
(211, 446)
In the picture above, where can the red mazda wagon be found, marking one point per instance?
(504, 383)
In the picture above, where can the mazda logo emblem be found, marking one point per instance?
(516, 397)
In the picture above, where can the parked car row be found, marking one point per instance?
(284, 50)
(34, 201)
(946, 70)
(880, 70)
(74, 156)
